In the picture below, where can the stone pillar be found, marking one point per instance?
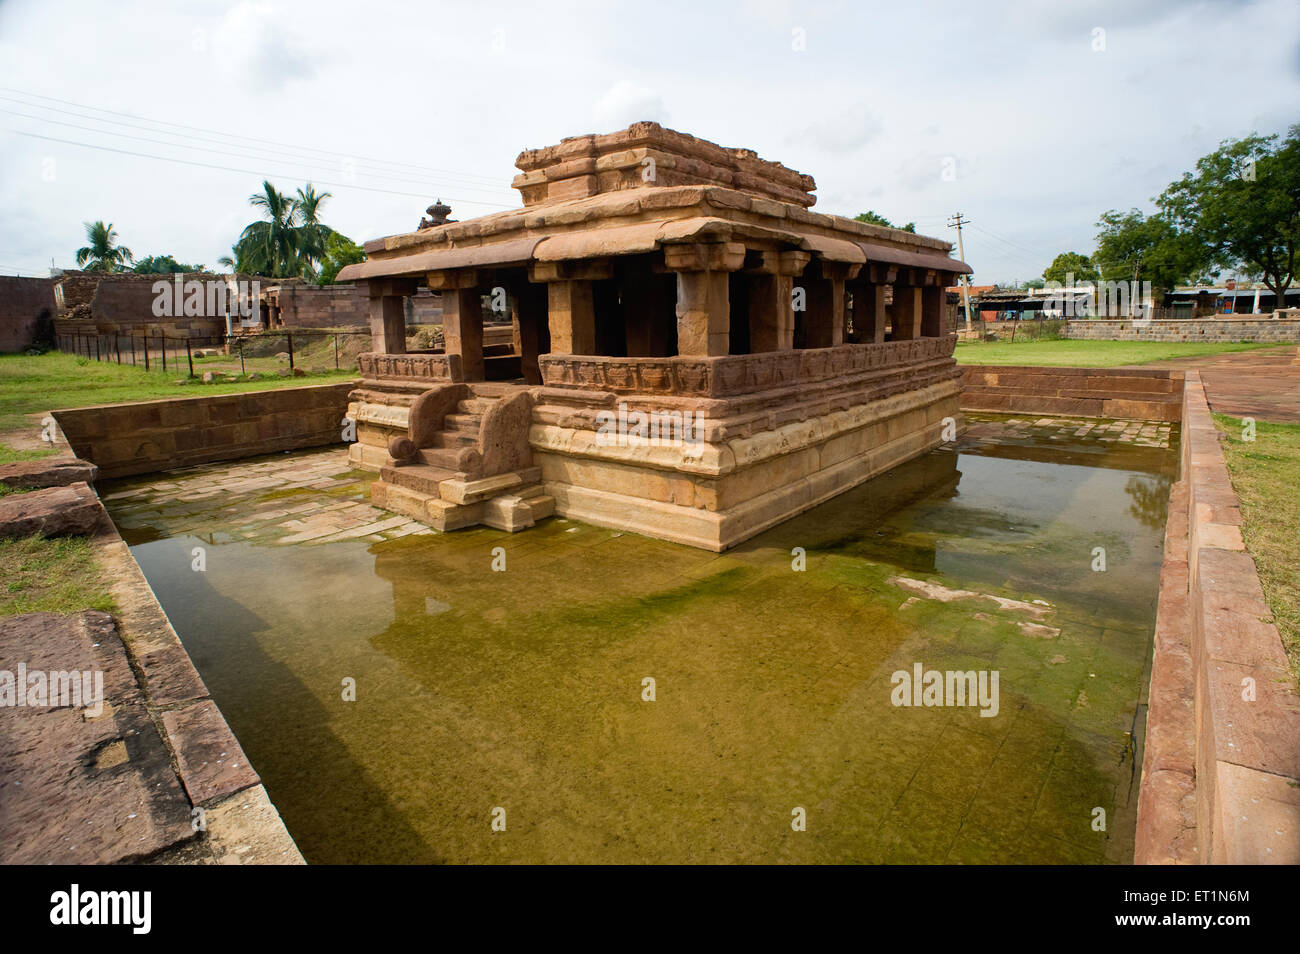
(703, 308)
(529, 305)
(933, 298)
(869, 314)
(387, 314)
(571, 312)
(826, 315)
(907, 307)
(771, 315)
(462, 318)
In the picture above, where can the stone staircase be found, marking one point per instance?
(442, 484)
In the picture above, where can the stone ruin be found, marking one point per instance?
(653, 280)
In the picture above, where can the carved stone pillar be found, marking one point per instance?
(703, 308)
(906, 309)
(826, 315)
(571, 312)
(771, 313)
(869, 314)
(388, 314)
(462, 318)
(933, 297)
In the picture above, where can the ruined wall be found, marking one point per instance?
(149, 436)
(425, 308)
(322, 306)
(22, 302)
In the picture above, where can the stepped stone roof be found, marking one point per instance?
(635, 190)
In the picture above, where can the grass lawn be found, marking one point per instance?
(10, 456)
(1088, 354)
(1265, 474)
(32, 384)
(58, 575)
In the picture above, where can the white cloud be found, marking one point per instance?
(625, 103)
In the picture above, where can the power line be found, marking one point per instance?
(224, 136)
(433, 186)
(249, 172)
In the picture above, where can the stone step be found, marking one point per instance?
(475, 405)
(463, 422)
(419, 477)
(407, 502)
(442, 457)
(455, 439)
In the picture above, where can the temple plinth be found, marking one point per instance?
(653, 278)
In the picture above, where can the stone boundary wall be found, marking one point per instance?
(22, 303)
(151, 436)
(1135, 394)
(200, 331)
(1259, 329)
(1221, 766)
(323, 306)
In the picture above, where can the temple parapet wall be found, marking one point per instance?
(734, 375)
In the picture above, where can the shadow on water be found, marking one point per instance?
(279, 720)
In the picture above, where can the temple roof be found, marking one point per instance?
(619, 212)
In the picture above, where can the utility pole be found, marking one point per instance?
(957, 222)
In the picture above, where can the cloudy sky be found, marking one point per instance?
(1029, 117)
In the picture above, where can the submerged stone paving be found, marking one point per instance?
(308, 498)
(1077, 430)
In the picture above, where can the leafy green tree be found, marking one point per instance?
(1067, 263)
(339, 251)
(875, 218)
(162, 265)
(1132, 246)
(103, 254)
(1241, 207)
(290, 239)
(313, 235)
(270, 247)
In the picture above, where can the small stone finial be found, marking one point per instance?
(438, 213)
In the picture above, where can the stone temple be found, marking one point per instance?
(693, 355)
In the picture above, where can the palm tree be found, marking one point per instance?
(103, 254)
(271, 247)
(313, 235)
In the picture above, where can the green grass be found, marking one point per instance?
(1265, 473)
(56, 575)
(31, 384)
(1088, 354)
(10, 456)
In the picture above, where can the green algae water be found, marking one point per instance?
(521, 694)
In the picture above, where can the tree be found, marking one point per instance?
(162, 265)
(289, 241)
(1070, 264)
(874, 218)
(1241, 207)
(339, 251)
(313, 235)
(103, 254)
(1132, 246)
(270, 247)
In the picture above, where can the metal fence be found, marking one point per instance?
(285, 353)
